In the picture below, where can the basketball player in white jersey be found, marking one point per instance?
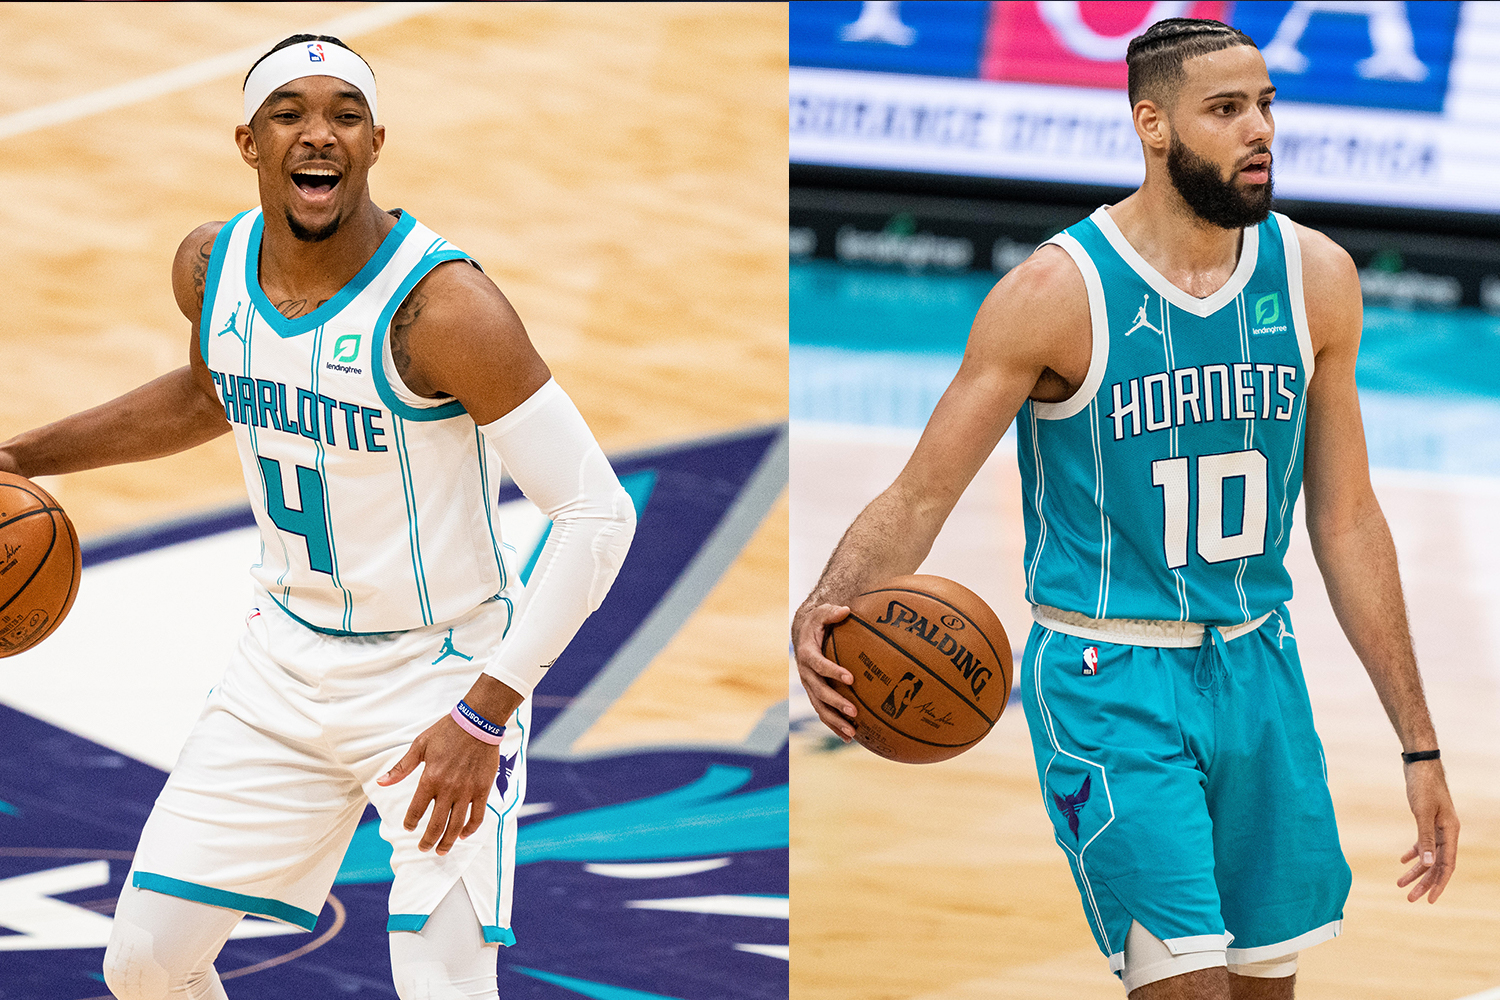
(1161, 670)
(376, 382)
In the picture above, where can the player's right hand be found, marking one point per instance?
(813, 667)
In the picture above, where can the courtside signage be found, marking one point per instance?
(1381, 103)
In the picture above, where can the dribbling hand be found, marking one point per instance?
(813, 667)
(457, 781)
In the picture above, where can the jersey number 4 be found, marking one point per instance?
(1214, 471)
(311, 522)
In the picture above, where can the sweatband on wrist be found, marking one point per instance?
(1416, 755)
(308, 59)
(476, 725)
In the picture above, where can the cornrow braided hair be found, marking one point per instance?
(1154, 59)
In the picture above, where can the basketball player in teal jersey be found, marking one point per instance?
(375, 383)
(1179, 365)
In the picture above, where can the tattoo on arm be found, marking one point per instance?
(200, 270)
(401, 326)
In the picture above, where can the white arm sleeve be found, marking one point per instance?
(549, 451)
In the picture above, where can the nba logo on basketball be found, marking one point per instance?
(314, 51)
(1090, 660)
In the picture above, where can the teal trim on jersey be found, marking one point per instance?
(318, 317)
(406, 922)
(1166, 491)
(326, 631)
(211, 280)
(259, 905)
(489, 505)
(514, 788)
(250, 430)
(413, 532)
(383, 325)
(8, 809)
(638, 484)
(322, 464)
(595, 991)
(499, 935)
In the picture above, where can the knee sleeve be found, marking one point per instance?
(163, 948)
(448, 958)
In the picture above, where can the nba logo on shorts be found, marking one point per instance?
(314, 51)
(1090, 661)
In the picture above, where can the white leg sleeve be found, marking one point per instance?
(1148, 960)
(448, 958)
(549, 451)
(163, 948)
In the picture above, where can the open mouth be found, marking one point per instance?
(316, 181)
(1257, 169)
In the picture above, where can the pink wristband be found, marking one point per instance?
(473, 730)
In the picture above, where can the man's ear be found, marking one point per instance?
(1151, 125)
(244, 138)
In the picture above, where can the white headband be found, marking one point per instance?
(308, 59)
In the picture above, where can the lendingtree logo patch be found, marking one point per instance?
(1268, 318)
(346, 348)
(1267, 310)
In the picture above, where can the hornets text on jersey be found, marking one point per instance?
(1163, 489)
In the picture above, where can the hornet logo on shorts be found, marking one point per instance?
(1069, 805)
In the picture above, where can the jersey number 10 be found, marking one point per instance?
(1171, 474)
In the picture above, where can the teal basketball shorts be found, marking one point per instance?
(1187, 786)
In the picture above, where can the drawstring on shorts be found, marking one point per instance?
(1212, 665)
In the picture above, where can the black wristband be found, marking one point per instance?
(1416, 755)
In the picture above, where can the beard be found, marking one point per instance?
(1213, 199)
(306, 235)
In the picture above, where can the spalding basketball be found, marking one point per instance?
(39, 564)
(931, 666)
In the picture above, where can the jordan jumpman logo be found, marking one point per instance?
(229, 325)
(449, 650)
(1140, 317)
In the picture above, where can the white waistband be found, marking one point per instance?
(1135, 631)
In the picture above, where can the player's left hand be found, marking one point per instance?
(457, 780)
(1436, 849)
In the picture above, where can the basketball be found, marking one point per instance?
(931, 666)
(40, 564)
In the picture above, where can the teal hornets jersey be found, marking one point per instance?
(1163, 489)
(376, 507)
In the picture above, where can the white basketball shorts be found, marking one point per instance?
(268, 790)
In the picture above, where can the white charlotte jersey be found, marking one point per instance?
(376, 507)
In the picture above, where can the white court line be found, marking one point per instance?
(183, 77)
(773, 907)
